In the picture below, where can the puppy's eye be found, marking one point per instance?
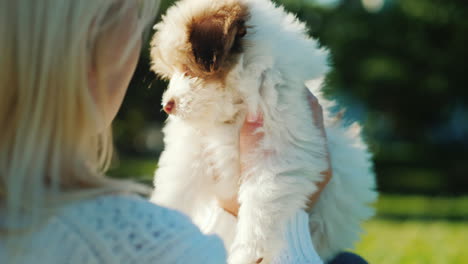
(242, 29)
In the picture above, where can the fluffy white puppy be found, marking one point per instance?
(225, 58)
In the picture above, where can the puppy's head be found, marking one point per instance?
(200, 38)
(196, 45)
(216, 39)
(235, 49)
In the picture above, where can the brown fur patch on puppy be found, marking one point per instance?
(216, 40)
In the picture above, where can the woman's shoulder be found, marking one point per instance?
(130, 215)
(117, 209)
(128, 228)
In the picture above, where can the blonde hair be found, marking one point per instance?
(49, 150)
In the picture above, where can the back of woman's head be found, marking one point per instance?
(49, 122)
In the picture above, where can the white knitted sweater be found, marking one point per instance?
(298, 248)
(129, 229)
(119, 229)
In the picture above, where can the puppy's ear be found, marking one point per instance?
(216, 36)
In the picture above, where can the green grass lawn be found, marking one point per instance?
(406, 230)
(414, 242)
(417, 229)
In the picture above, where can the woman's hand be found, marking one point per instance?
(249, 140)
(317, 113)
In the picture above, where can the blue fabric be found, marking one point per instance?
(347, 258)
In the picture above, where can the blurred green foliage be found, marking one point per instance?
(398, 67)
(395, 207)
(405, 65)
(138, 169)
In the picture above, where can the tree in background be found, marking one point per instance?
(398, 66)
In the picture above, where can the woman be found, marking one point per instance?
(65, 66)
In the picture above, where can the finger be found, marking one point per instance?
(254, 117)
(317, 115)
(317, 111)
(231, 206)
(250, 139)
(252, 123)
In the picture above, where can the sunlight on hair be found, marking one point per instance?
(50, 153)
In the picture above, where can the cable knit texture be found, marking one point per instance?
(119, 229)
(298, 247)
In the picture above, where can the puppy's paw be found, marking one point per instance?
(245, 254)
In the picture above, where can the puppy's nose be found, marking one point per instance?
(169, 107)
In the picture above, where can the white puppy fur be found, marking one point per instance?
(200, 162)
